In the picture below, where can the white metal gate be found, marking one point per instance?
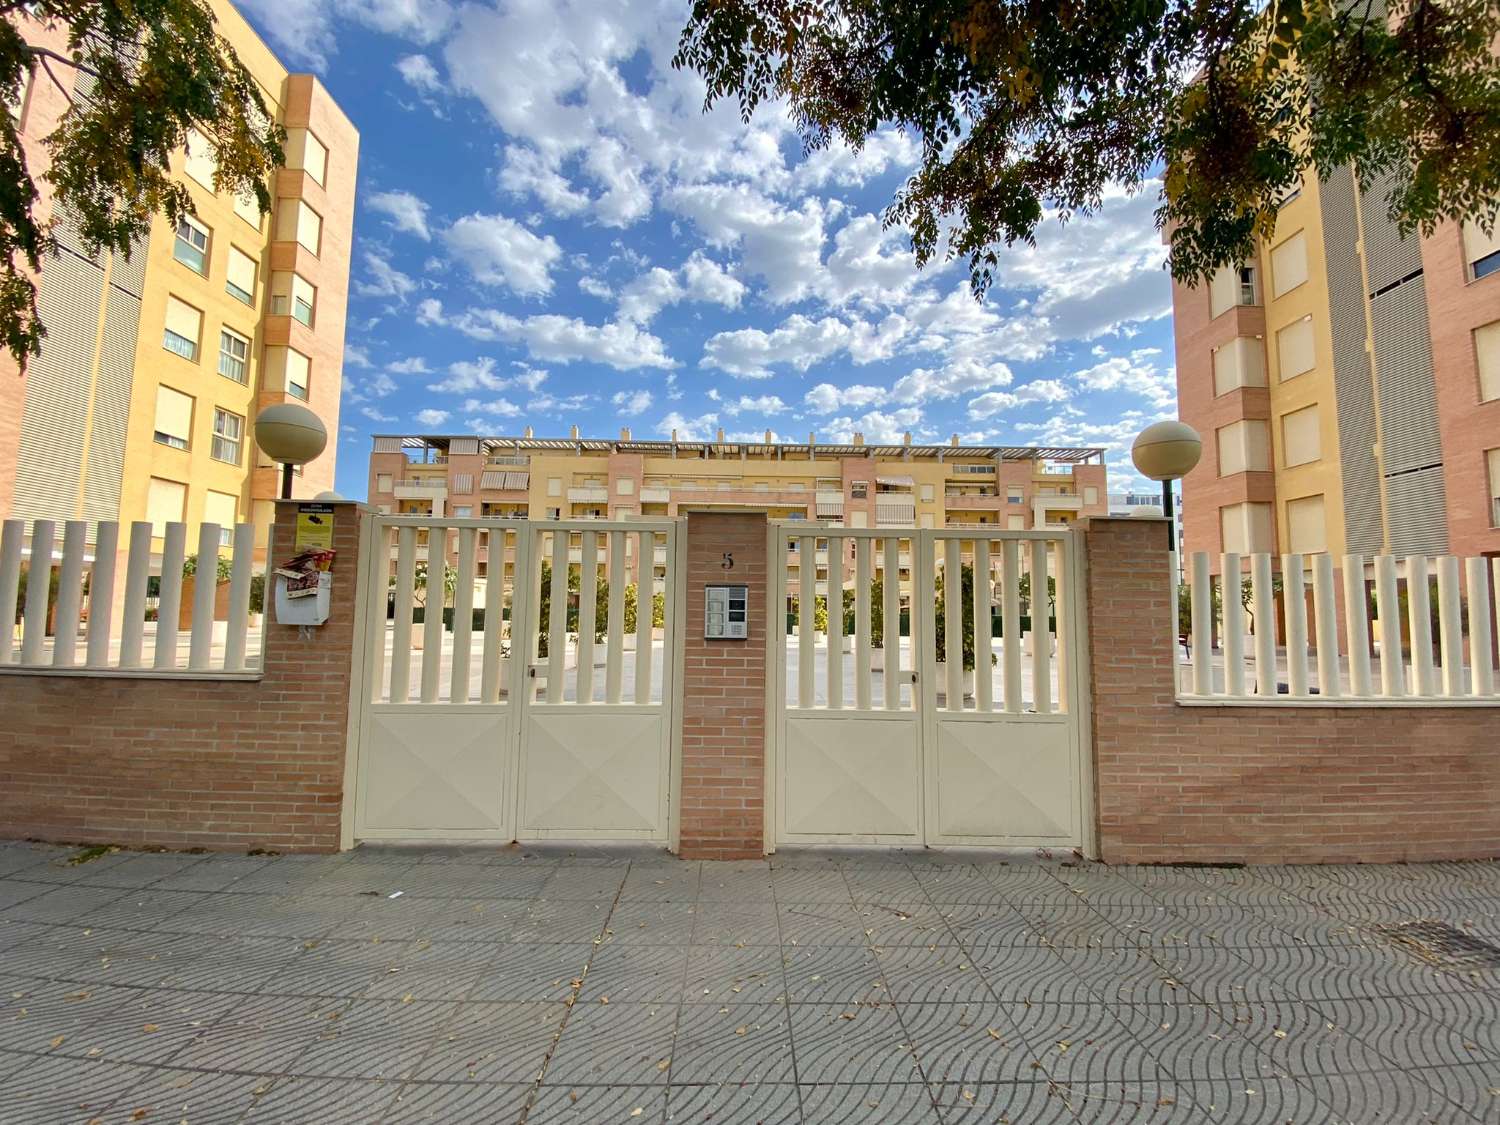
(539, 704)
(904, 716)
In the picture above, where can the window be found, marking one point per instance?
(298, 368)
(1090, 496)
(1289, 264)
(247, 207)
(926, 493)
(292, 295)
(1306, 532)
(165, 501)
(624, 513)
(299, 223)
(463, 511)
(1244, 446)
(200, 163)
(1487, 354)
(303, 296)
(1295, 352)
(1247, 285)
(1230, 286)
(241, 280)
(625, 486)
(1301, 442)
(1492, 464)
(859, 489)
(234, 356)
(1239, 363)
(229, 432)
(1481, 251)
(174, 418)
(305, 151)
(1245, 528)
(1013, 494)
(184, 324)
(191, 245)
(219, 508)
(1015, 523)
(384, 482)
(554, 486)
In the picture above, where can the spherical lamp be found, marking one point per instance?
(290, 435)
(1167, 451)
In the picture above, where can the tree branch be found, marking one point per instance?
(45, 53)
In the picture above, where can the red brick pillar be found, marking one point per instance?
(724, 695)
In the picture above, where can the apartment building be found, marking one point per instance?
(141, 404)
(853, 485)
(1346, 382)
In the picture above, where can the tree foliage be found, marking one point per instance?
(152, 70)
(1023, 107)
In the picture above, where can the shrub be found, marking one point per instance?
(190, 567)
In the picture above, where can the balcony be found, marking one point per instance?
(895, 510)
(830, 505)
(972, 502)
(1042, 505)
(655, 495)
(588, 495)
(421, 488)
(515, 461)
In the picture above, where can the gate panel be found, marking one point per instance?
(847, 726)
(596, 728)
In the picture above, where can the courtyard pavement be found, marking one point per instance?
(541, 985)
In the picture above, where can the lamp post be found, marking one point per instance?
(290, 435)
(1167, 451)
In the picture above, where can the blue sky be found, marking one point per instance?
(550, 231)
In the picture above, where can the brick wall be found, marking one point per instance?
(724, 696)
(1264, 784)
(232, 764)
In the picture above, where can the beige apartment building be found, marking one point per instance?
(140, 406)
(852, 485)
(1346, 382)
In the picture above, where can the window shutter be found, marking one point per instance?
(164, 504)
(199, 162)
(1300, 440)
(218, 507)
(183, 319)
(174, 413)
(242, 270)
(1487, 352)
(1289, 264)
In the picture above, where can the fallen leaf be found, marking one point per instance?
(138, 1115)
(94, 1052)
(604, 999)
(79, 995)
(407, 999)
(637, 1111)
(1279, 1033)
(993, 1033)
(58, 1042)
(150, 1027)
(663, 1064)
(741, 1030)
(968, 1095)
(1063, 1045)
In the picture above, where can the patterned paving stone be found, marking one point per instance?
(817, 986)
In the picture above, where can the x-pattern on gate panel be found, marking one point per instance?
(519, 680)
(925, 693)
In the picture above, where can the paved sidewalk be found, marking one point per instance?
(552, 986)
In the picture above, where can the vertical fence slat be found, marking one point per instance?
(495, 541)
(11, 535)
(1041, 638)
(1230, 578)
(1325, 628)
(984, 642)
(1202, 628)
(862, 623)
(890, 623)
(1450, 620)
(835, 598)
(1294, 595)
(645, 608)
(406, 568)
(382, 542)
(1357, 626)
(101, 594)
(432, 613)
(953, 624)
(1265, 623)
(557, 623)
(1392, 669)
(133, 611)
(34, 624)
(205, 588)
(241, 567)
(807, 593)
(588, 604)
(1482, 672)
(69, 594)
(614, 668)
(463, 616)
(1419, 625)
(1010, 580)
(169, 605)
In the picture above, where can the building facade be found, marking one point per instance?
(1346, 382)
(141, 404)
(852, 485)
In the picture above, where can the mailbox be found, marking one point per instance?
(725, 616)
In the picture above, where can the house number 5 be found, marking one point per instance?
(728, 563)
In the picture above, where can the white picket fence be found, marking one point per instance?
(1235, 654)
(97, 624)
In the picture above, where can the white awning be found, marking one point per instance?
(899, 482)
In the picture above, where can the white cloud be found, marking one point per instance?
(596, 288)
(700, 278)
(305, 29)
(383, 279)
(419, 73)
(497, 407)
(528, 172)
(499, 251)
(1039, 390)
(430, 417)
(480, 375)
(879, 427)
(701, 428)
(780, 245)
(381, 385)
(799, 343)
(825, 398)
(631, 403)
(411, 365)
(375, 415)
(763, 404)
(1136, 374)
(405, 211)
(356, 356)
(558, 339)
(839, 164)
